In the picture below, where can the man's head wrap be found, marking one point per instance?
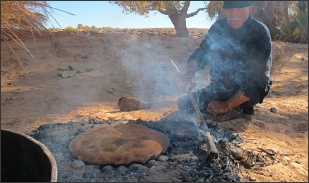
(236, 4)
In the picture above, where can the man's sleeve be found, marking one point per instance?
(258, 74)
(201, 51)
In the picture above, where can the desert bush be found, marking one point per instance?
(86, 27)
(134, 31)
(126, 30)
(54, 29)
(79, 26)
(108, 29)
(70, 29)
(96, 30)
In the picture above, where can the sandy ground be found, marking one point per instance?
(140, 66)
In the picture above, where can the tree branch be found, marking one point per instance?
(163, 12)
(195, 13)
(151, 7)
(185, 6)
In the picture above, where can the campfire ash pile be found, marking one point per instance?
(185, 159)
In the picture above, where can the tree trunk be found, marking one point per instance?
(179, 22)
(286, 17)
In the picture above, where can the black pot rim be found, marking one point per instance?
(54, 171)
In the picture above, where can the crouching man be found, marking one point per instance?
(237, 49)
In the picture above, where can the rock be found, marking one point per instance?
(151, 163)
(132, 104)
(251, 178)
(136, 166)
(162, 158)
(121, 168)
(107, 168)
(234, 178)
(77, 164)
(273, 110)
(119, 144)
(111, 90)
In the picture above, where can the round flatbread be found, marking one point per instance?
(119, 144)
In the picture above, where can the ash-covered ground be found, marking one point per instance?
(185, 160)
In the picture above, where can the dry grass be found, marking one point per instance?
(126, 30)
(17, 16)
(108, 30)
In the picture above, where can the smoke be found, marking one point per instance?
(147, 61)
(152, 76)
(228, 62)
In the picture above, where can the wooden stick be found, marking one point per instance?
(212, 151)
(175, 66)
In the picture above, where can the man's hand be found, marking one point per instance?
(218, 107)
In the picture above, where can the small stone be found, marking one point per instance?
(231, 138)
(107, 168)
(151, 163)
(77, 164)
(273, 110)
(162, 158)
(136, 166)
(236, 153)
(121, 168)
(111, 90)
(252, 178)
(233, 177)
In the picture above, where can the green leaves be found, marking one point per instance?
(144, 7)
(71, 69)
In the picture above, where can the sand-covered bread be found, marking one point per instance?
(119, 144)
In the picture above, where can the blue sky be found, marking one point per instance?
(105, 14)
